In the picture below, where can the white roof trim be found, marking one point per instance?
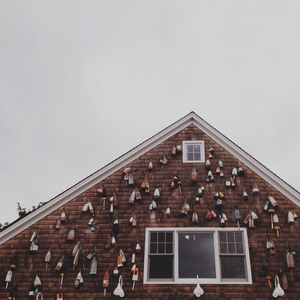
(157, 139)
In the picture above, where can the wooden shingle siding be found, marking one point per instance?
(31, 264)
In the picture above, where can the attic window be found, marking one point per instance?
(178, 255)
(193, 151)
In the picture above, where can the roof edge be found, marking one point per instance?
(90, 181)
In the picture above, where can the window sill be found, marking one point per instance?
(201, 281)
(193, 161)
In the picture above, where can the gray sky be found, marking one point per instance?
(82, 82)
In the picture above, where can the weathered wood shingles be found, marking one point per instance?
(29, 265)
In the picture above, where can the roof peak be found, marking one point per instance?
(96, 177)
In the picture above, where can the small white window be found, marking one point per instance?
(178, 255)
(193, 151)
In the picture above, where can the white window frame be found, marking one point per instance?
(215, 231)
(193, 142)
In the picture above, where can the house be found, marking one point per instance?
(186, 202)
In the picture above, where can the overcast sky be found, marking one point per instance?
(82, 82)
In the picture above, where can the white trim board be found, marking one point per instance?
(90, 181)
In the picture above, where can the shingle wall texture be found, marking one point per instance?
(31, 264)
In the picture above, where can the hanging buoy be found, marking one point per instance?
(132, 197)
(291, 217)
(245, 195)
(156, 193)
(63, 216)
(76, 258)
(93, 266)
(150, 166)
(138, 248)
(59, 296)
(135, 277)
(198, 291)
(163, 161)
(153, 205)
(194, 175)
(234, 173)
(79, 280)
(207, 165)
(237, 216)
(210, 176)
(270, 245)
(195, 218)
(105, 282)
(255, 189)
(272, 201)
(101, 192)
(276, 224)
(138, 195)
(126, 173)
(59, 264)
(133, 221)
(34, 243)
(290, 253)
(130, 179)
(47, 259)
(228, 184)
(240, 171)
(223, 219)
(37, 282)
(145, 185)
(58, 224)
(115, 227)
(8, 278)
(118, 291)
(168, 212)
(116, 271)
(174, 150)
(71, 235)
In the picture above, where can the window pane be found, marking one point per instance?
(238, 237)
(161, 237)
(161, 266)
(223, 248)
(231, 248)
(197, 148)
(169, 248)
(233, 267)
(169, 237)
(189, 156)
(153, 237)
(153, 248)
(196, 156)
(161, 248)
(196, 255)
(190, 148)
(222, 237)
(230, 237)
(239, 248)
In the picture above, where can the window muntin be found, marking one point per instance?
(193, 151)
(216, 264)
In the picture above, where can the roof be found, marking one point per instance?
(190, 119)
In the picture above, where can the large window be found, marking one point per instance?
(178, 255)
(193, 151)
